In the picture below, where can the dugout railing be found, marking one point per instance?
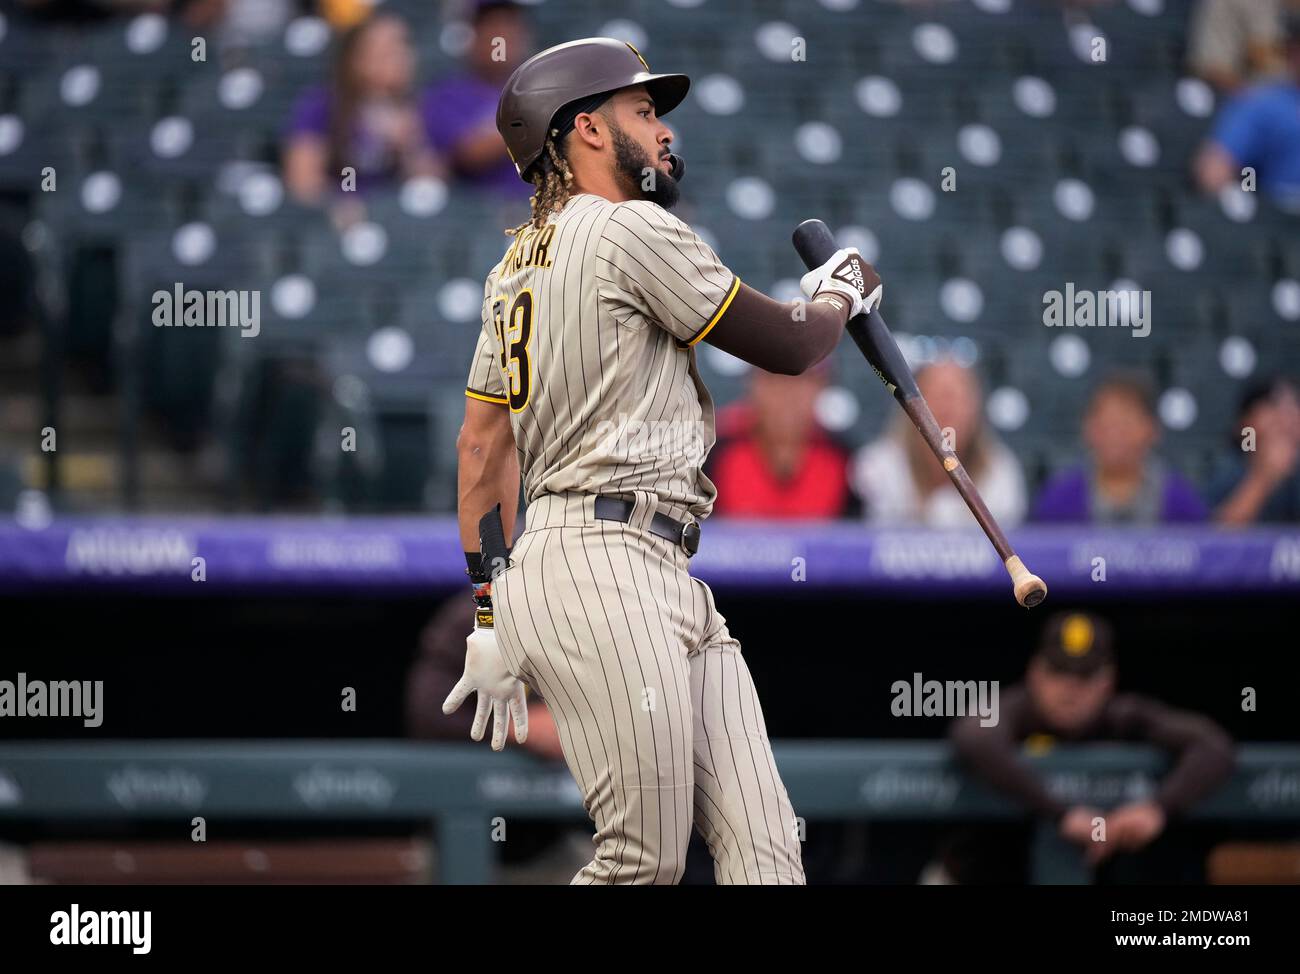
(461, 788)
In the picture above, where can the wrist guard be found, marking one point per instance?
(482, 587)
(491, 559)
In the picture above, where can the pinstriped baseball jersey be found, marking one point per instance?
(589, 328)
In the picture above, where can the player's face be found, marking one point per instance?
(641, 145)
(1066, 701)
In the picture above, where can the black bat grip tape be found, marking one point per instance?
(815, 245)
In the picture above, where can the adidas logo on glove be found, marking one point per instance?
(851, 272)
(846, 273)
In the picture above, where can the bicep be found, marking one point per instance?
(786, 338)
(485, 422)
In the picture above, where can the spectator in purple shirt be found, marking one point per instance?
(1123, 482)
(460, 110)
(366, 119)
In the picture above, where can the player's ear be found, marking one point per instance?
(590, 127)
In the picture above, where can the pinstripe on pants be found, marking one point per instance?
(656, 711)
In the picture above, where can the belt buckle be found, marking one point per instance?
(691, 537)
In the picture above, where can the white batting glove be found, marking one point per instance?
(497, 687)
(846, 273)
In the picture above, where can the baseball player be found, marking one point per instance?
(585, 382)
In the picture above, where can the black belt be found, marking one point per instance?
(616, 509)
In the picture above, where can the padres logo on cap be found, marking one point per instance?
(1077, 635)
(638, 55)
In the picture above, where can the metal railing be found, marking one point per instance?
(460, 788)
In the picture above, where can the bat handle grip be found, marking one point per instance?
(1029, 589)
(814, 243)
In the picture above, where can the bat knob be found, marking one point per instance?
(1029, 589)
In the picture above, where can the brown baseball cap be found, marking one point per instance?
(548, 81)
(1078, 643)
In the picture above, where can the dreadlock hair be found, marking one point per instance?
(552, 183)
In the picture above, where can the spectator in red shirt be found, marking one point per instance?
(773, 459)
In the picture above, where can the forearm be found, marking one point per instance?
(304, 169)
(992, 756)
(487, 474)
(1214, 168)
(783, 337)
(1201, 767)
(422, 161)
(479, 151)
(1244, 504)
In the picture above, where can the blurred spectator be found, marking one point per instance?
(1232, 43)
(1260, 128)
(541, 852)
(237, 23)
(901, 481)
(774, 459)
(460, 111)
(1263, 483)
(366, 118)
(1069, 696)
(1123, 483)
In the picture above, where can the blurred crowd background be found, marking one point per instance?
(340, 159)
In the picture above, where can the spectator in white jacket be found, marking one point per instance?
(901, 481)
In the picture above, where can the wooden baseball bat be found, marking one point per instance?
(813, 241)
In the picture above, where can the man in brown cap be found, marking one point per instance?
(1069, 696)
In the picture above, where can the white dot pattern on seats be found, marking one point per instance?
(1069, 355)
(390, 349)
(293, 296)
(1007, 408)
(1177, 408)
(194, 244)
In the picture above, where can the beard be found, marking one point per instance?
(632, 166)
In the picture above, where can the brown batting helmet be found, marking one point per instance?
(548, 81)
